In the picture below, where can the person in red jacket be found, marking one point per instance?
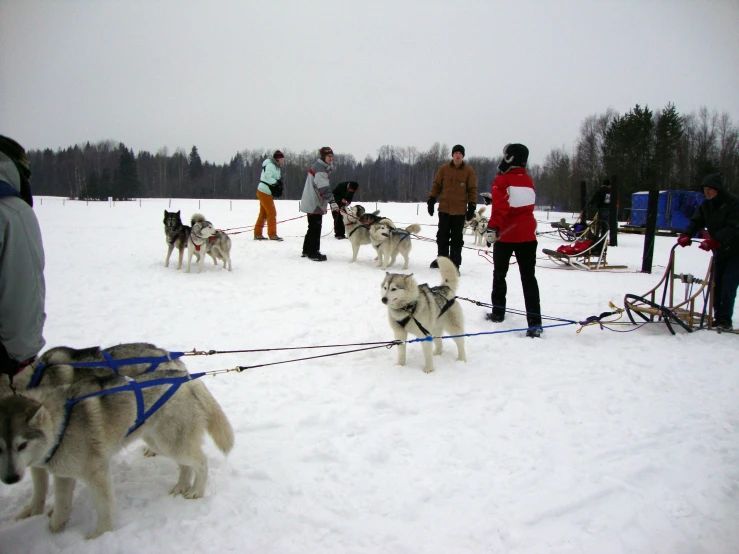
(512, 230)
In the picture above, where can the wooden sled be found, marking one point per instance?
(593, 257)
(660, 303)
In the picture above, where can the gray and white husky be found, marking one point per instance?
(357, 223)
(389, 241)
(176, 234)
(206, 239)
(472, 223)
(422, 310)
(33, 435)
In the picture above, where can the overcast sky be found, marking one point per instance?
(230, 75)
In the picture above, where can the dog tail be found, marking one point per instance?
(414, 228)
(375, 212)
(481, 210)
(197, 218)
(219, 428)
(449, 274)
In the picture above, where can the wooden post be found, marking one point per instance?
(613, 213)
(650, 232)
(583, 197)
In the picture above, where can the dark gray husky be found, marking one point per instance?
(177, 235)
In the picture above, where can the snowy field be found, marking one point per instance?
(590, 442)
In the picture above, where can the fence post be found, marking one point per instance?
(170, 202)
(64, 201)
(583, 197)
(230, 205)
(650, 232)
(613, 212)
(198, 204)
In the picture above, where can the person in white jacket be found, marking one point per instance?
(269, 183)
(22, 286)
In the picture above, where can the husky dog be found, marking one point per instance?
(55, 372)
(177, 235)
(216, 243)
(358, 222)
(389, 241)
(480, 230)
(423, 310)
(472, 223)
(39, 429)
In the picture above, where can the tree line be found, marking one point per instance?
(662, 150)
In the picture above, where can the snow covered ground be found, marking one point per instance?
(579, 442)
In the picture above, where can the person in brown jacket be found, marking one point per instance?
(455, 185)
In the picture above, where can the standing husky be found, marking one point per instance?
(357, 223)
(422, 310)
(177, 235)
(473, 223)
(39, 429)
(216, 243)
(480, 231)
(389, 241)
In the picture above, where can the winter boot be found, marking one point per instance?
(260, 237)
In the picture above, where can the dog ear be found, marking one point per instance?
(37, 415)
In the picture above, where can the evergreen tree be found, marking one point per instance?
(668, 132)
(126, 181)
(195, 164)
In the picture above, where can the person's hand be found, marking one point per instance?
(491, 236)
(334, 206)
(684, 240)
(344, 202)
(470, 211)
(8, 365)
(430, 203)
(710, 244)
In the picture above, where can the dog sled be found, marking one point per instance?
(588, 252)
(664, 303)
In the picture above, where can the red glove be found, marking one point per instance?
(710, 244)
(684, 240)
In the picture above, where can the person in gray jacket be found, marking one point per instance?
(22, 287)
(316, 196)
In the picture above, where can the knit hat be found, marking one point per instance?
(514, 155)
(458, 148)
(713, 181)
(277, 155)
(325, 151)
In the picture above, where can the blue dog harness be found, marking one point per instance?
(109, 362)
(132, 386)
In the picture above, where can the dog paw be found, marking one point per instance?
(57, 524)
(192, 494)
(179, 489)
(149, 453)
(29, 511)
(95, 534)
(428, 369)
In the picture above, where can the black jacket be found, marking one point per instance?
(721, 217)
(342, 192)
(601, 199)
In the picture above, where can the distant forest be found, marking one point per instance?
(645, 149)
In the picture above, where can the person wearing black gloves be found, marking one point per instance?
(719, 214)
(343, 195)
(455, 187)
(22, 286)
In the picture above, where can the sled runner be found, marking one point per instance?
(664, 303)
